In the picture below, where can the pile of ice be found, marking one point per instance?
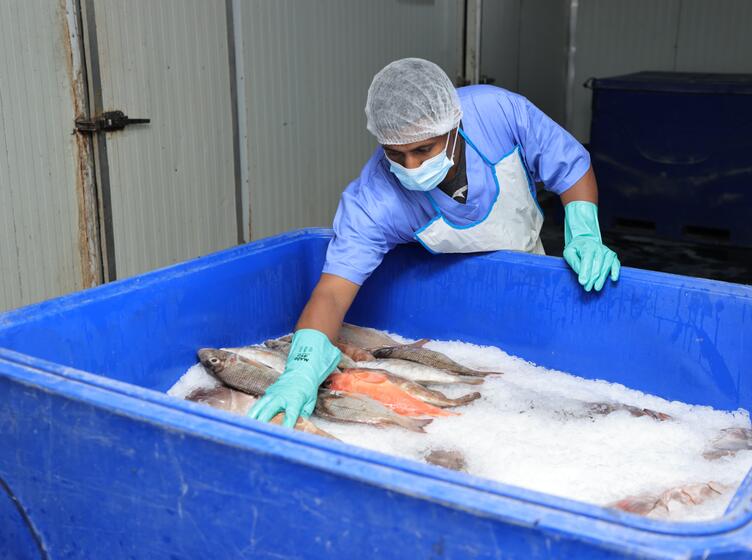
(528, 430)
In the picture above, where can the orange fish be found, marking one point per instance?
(377, 386)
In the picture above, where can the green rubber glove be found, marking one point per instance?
(311, 359)
(583, 249)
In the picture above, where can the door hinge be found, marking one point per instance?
(107, 122)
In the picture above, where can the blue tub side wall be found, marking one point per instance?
(676, 337)
(107, 476)
(146, 330)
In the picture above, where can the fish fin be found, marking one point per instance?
(468, 380)
(475, 372)
(419, 343)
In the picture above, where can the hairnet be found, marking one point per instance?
(409, 100)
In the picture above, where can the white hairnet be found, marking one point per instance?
(409, 100)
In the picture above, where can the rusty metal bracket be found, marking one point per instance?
(107, 122)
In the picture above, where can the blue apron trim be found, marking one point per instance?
(419, 240)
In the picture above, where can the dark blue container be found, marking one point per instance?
(97, 462)
(673, 154)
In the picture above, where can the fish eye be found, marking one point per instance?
(214, 360)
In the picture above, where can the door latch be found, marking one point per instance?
(107, 122)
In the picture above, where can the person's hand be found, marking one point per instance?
(311, 359)
(583, 249)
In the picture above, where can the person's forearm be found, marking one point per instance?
(585, 189)
(328, 305)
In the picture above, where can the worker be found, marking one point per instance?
(454, 171)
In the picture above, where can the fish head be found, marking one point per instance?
(213, 360)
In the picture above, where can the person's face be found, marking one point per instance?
(412, 155)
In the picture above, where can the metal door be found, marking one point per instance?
(168, 188)
(48, 210)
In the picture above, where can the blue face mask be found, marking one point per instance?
(429, 174)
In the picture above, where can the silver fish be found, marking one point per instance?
(419, 373)
(728, 442)
(416, 353)
(224, 398)
(604, 408)
(364, 337)
(240, 373)
(352, 408)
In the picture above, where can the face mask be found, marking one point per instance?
(429, 174)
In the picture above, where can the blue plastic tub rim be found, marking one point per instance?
(72, 380)
(142, 281)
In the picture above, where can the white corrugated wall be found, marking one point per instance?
(525, 43)
(302, 71)
(616, 37)
(307, 67)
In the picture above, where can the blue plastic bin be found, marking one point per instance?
(97, 462)
(672, 153)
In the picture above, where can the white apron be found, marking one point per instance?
(514, 221)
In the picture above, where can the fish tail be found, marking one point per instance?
(459, 401)
(415, 424)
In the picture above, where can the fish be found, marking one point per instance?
(237, 402)
(690, 494)
(240, 373)
(284, 347)
(728, 442)
(604, 408)
(447, 458)
(355, 353)
(364, 337)
(419, 373)
(275, 359)
(224, 398)
(418, 391)
(352, 408)
(377, 386)
(416, 353)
